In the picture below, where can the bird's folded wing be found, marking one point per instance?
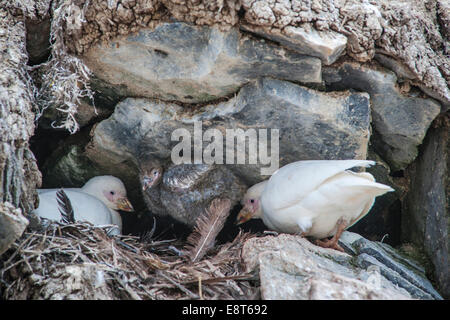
(346, 192)
(54, 190)
(85, 207)
(291, 183)
(185, 176)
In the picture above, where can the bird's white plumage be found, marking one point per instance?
(89, 202)
(85, 207)
(311, 196)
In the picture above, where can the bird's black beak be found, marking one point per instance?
(148, 182)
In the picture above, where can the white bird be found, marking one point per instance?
(317, 198)
(95, 202)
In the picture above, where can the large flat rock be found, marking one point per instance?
(400, 120)
(291, 267)
(181, 62)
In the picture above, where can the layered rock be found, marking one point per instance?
(181, 62)
(402, 30)
(290, 267)
(313, 125)
(399, 120)
(326, 45)
(426, 217)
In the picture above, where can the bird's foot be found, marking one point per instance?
(333, 242)
(329, 243)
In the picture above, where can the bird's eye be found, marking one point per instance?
(155, 173)
(112, 192)
(252, 200)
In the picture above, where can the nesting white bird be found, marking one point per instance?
(317, 198)
(96, 202)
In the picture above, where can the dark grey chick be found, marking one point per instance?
(184, 191)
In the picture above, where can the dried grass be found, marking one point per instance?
(133, 268)
(64, 79)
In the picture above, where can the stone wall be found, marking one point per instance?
(339, 79)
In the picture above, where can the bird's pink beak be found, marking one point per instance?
(124, 204)
(244, 215)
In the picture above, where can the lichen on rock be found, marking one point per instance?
(19, 175)
(403, 30)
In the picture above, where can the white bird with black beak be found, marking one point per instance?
(96, 202)
(317, 198)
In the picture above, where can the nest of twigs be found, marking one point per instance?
(80, 261)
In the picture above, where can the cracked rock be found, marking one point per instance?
(181, 62)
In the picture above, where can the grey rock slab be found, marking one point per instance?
(291, 267)
(311, 124)
(326, 45)
(400, 69)
(400, 270)
(400, 121)
(347, 242)
(364, 261)
(405, 261)
(181, 62)
(426, 214)
(68, 166)
(411, 280)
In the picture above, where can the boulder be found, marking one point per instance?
(181, 62)
(398, 269)
(400, 121)
(425, 221)
(291, 267)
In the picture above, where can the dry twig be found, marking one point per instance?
(124, 267)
